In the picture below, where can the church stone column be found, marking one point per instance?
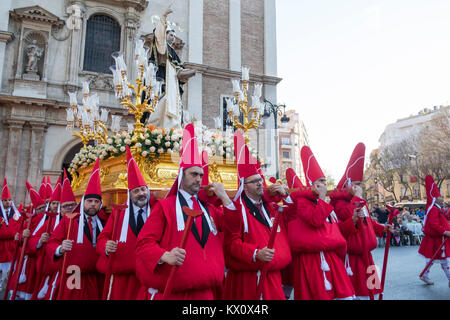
(15, 129)
(195, 55)
(36, 153)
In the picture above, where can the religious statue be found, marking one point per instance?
(171, 72)
(34, 53)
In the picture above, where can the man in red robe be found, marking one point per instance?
(45, 264)
(437, 230)
(316, 240)
(83, 281)
(200, 265)
(120, 246)
(8, 229)
(26, 276)
(245, 248)
(348, 203)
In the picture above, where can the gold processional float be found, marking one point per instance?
(156, 150)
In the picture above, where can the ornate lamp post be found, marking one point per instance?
(87, 117)
(146, 82)
(275, 110)
(251, 115)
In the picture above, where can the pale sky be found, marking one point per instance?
(351, 67)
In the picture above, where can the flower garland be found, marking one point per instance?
(155, 142)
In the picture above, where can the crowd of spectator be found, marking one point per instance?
(407, 223)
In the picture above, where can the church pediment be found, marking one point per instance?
(35, 13)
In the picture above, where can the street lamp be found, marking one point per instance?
(275, 110)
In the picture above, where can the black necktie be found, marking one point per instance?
(140, 221)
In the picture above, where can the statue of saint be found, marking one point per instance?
(171, 71)
(34, 53)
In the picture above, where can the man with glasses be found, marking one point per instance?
(200, 265)
(245, 249)
(86, 283)
(123, 284)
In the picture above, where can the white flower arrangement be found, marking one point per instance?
(154, 143)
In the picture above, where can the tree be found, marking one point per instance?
(433, 153)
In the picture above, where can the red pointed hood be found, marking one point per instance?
(94, 188)
(431, 189)
(190, 156)
(246, 164)
(36, 199)
(56, 192)
(293, 181)
(43, 189)
(48, 188)
(310, 166)
(5, 191)
(135, 179)
(66, 191)
(205, 166)
(355, 167)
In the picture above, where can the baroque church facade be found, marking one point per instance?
(48, 48)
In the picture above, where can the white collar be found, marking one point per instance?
(187, 195)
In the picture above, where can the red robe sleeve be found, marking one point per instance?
(148, 249)
(57, 237)
(313, 215)
(235, 245)
(433, 224)
(7, 232)
(105, 235)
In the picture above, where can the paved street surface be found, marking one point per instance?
(402, 278)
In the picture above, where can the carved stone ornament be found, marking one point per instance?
(37, 14)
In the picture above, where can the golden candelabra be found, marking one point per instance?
(251, 115)
(87, 118)
(146, 91)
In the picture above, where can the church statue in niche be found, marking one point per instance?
(171, 71)
(34, 54)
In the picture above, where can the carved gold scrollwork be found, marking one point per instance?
(122, 181)
(103, 173)
(214, 173)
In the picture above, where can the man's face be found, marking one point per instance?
(41, 208)
(320, 183)
(170, 36)
(7, 203)
(253, 186)
(67, 207)
(139, 196)
(53, 206)
(192, 179)
(91, 206)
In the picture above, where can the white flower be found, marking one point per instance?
(127, 141)
(124, 134)
(147, 142)
(138, 145)
(118, 141)
(154, 131)
(144, 154)
(176, 145)
(159, 137)
(169, 150)
(152, 149)
(146, 135)
(158, 141)
(122, 148)
(174, 137)
(160, 150)
(109, 140)
(167, 144)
